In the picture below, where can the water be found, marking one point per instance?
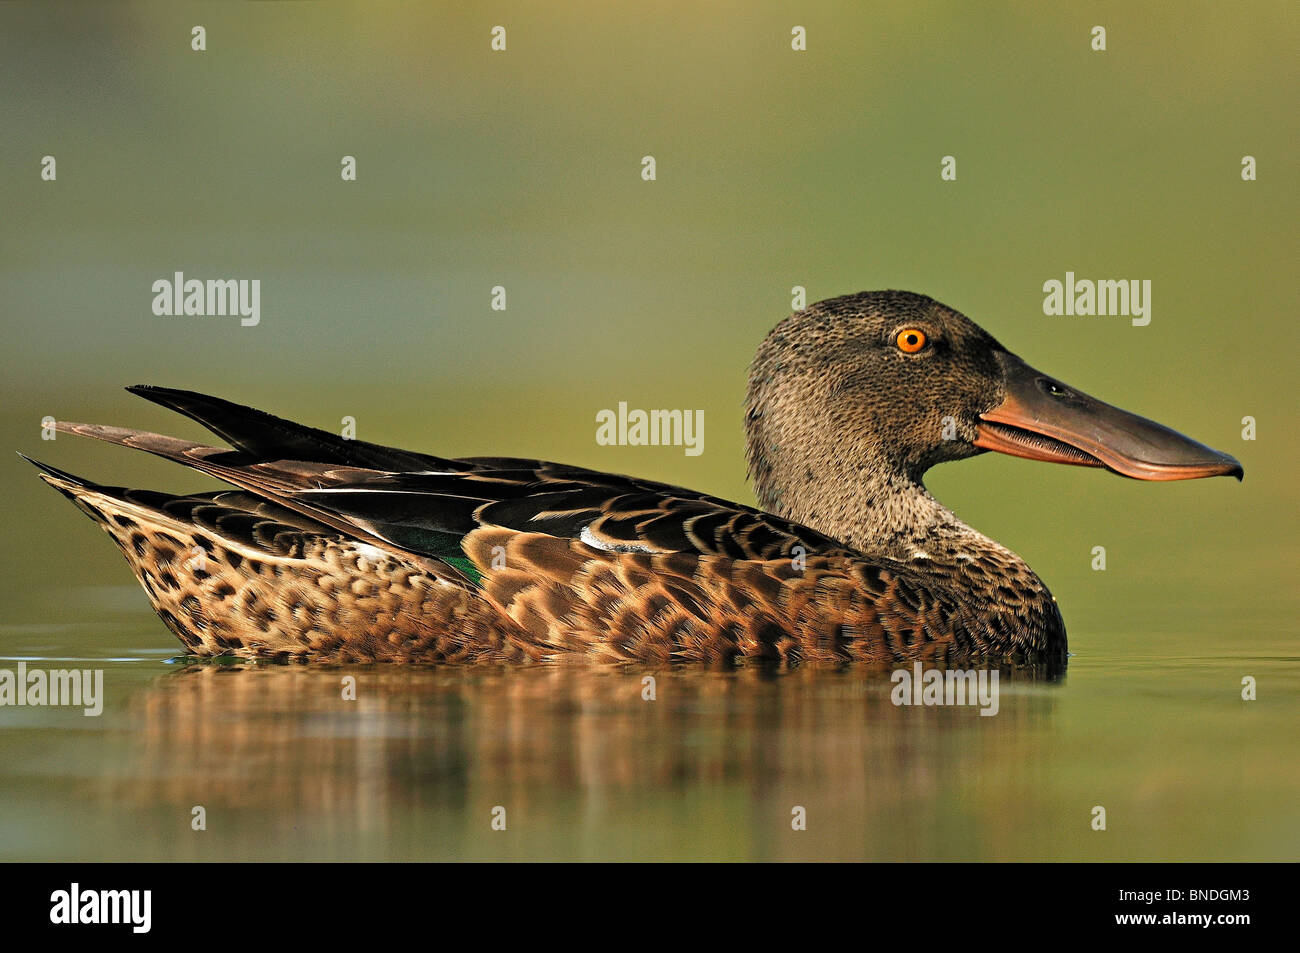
(588, 769)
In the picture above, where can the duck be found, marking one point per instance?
(336, 550)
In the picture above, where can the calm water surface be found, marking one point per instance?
(587, 769)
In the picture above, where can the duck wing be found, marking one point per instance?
(426, 504)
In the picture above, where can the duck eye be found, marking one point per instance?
(910, 340)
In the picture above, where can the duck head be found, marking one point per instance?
(851, 400)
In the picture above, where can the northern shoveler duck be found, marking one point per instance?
(345, 551)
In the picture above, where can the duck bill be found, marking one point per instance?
(1042, 419)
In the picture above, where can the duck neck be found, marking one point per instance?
(871, 508)
(887, 514)
(875, 506)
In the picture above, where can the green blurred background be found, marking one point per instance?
(775, 169)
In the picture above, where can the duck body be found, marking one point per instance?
(338, 550)
(231, 573)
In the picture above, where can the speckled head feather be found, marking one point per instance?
(842, 424)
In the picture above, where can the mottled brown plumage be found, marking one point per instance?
(344, 551)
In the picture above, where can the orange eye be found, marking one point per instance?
(910, 340)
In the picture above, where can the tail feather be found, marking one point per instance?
(267, 437)
(137, 520)
(229, 573)
(61, 480)
(274, 482)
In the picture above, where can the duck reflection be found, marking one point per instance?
(368, 748)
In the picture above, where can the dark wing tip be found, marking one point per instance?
(159, 394)
(62, 476)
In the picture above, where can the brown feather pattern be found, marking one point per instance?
(367, 553)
